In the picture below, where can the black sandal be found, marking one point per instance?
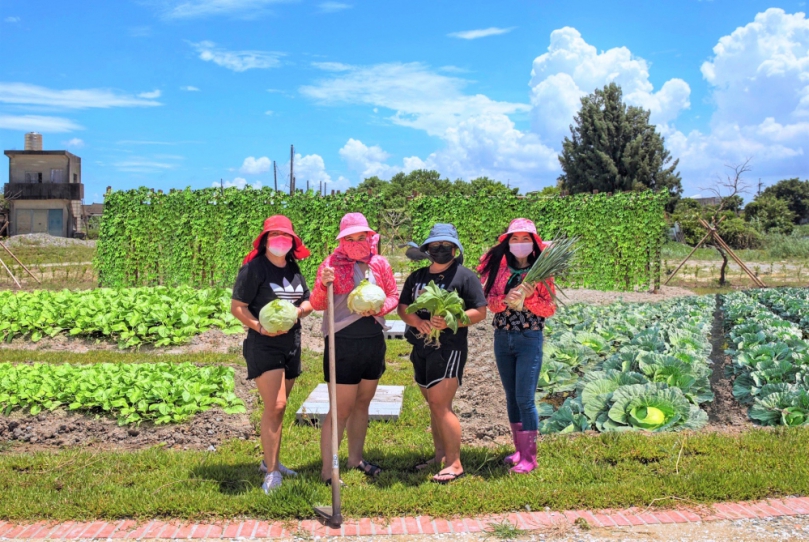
(369, 469)
(448, 480)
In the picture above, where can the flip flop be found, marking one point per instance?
(369, 469)
(452, 478)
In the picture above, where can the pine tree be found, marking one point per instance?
(612, 148)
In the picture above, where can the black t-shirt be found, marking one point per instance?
(259, 282)
(456, 278)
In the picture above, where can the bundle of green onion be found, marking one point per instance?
(553, 261)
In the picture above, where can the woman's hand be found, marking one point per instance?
(423, 326)
(529, 288)
(266, 333)
(513, 296)
(327, 276)
(367, 313)
(438, 322)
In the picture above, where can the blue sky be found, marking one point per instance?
(175, 93)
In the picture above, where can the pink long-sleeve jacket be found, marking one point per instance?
(344, 283)
(539, 303)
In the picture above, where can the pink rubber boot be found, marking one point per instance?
(527, 441)
(514, 458)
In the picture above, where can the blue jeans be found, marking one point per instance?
(519, 358)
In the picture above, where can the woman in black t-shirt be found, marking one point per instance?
(439, 370)
(268, 273)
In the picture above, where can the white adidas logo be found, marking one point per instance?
(287, 292)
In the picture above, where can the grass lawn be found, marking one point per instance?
(611, 470)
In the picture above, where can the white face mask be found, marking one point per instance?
(521, 250)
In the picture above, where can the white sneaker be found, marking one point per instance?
(271, 481)
(282, 469)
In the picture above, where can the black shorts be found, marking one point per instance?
(357, 359)
(264, 354)
(432, 365)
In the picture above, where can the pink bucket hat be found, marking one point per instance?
(354, 223)
(523, 225)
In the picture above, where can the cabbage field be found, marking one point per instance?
(770, 355)
(132, 316)
(628, 367)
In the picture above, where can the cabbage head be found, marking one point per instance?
(278, 315)
(652, 407)
(366, 297)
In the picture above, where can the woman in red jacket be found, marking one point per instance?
(518, 333)
(360, 339)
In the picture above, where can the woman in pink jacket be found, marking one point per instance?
(360, 339)
(518, 334)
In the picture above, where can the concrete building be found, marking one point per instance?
(44, 190)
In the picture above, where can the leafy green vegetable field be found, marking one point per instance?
(770, 357)
(132, 316)
(630, 366)
(159, 392)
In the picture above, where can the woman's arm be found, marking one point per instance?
(388, 284)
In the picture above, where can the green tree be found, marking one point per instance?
(770, 214)
(796, 193)
(428, 183)
(612, 147)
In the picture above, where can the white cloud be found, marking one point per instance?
(481, 33)
(189, 88)
(237, 61)
(150, 95)
(189, 9)
(25, 94)
(140, 31)
(419, 97)
(143, 165)
(572, 68)
(367, 161)
(12, 19)
(238, 182)
(38, 123)
(331, 67)
(269, 112)
(74, 143)
(255, 166)
(759, 75)
(332, 7)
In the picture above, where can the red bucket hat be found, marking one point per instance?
(282, 224)
(523, 225)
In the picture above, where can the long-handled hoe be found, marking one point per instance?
(331, 514)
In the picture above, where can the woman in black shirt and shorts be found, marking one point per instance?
(268, 273)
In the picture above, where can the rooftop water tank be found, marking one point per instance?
(33, 141)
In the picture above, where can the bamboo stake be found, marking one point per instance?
(687, 258)
(721, 242)
(10, 273)
(19, 262)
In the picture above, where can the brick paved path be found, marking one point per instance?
(255, 529)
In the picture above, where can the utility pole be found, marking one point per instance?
(275, 175)
(759, 186)
(307, 185)
(291, 169)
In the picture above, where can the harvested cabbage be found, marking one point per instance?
(366, 297)
(278, 315)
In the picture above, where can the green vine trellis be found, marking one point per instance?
(199, 237)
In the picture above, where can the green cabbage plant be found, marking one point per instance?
(278, 315)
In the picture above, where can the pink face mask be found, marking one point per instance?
(356, 250)
(521, 250)
(279, 245)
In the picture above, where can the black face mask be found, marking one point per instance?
(441, 255)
